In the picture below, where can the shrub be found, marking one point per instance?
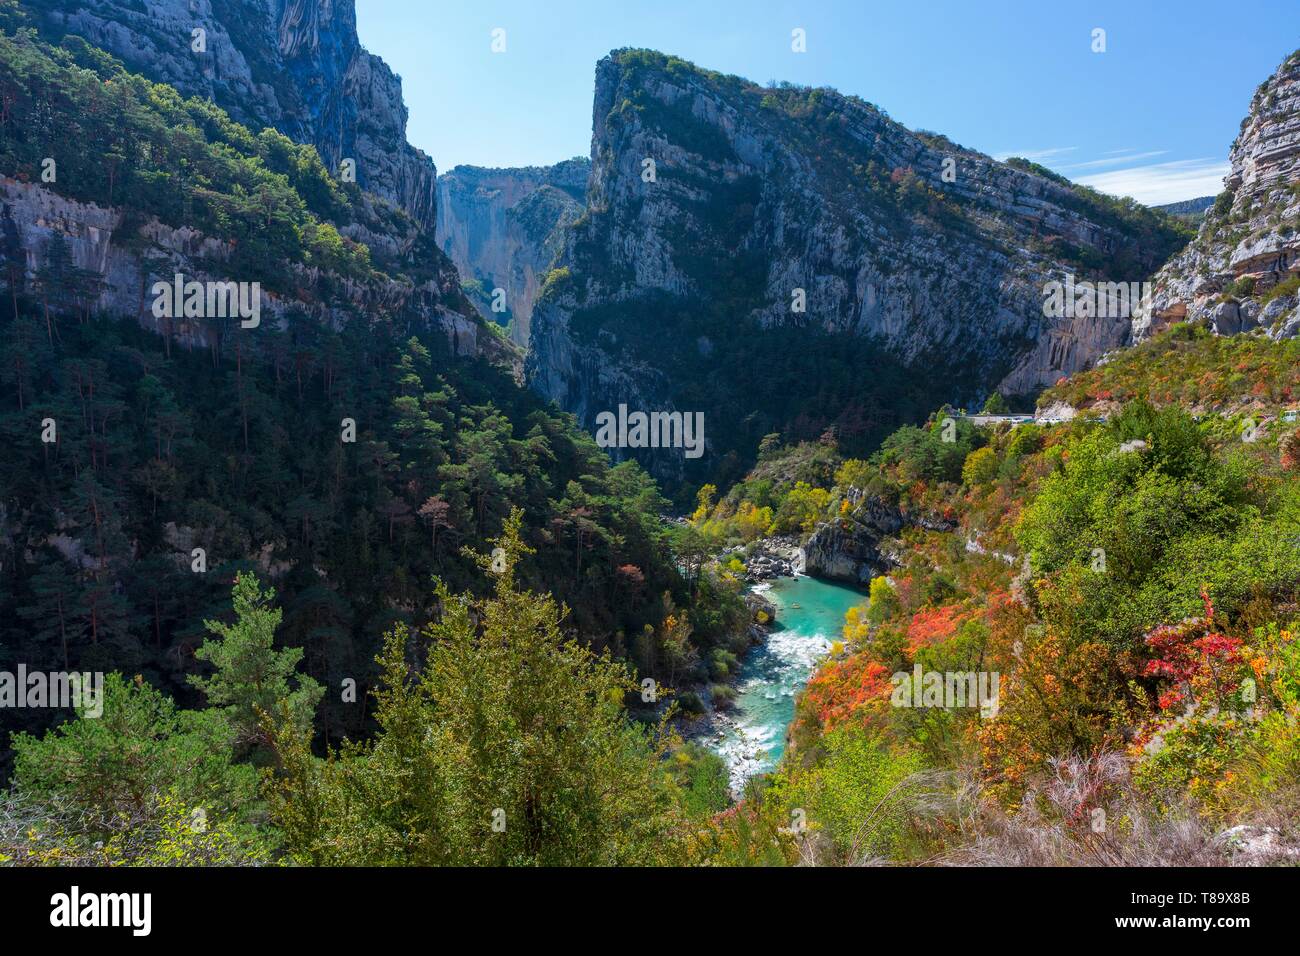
(1286, 287)
(690, 703)
(884, 600)
(856, 799)
(723, 663)
(1289, 448)
(981, 466)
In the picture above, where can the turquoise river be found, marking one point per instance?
(810, 615)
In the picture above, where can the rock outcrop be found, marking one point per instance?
(294, 65)
(1241, 272)
(721, 213)
(855, 546)
(504, 227)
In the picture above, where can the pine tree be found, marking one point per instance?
(13, 256)
(435, 513)
(137, 747)
(55, 281)
(251, 678)
(50, 618)
(22, 358)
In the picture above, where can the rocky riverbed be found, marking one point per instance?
(768, 558)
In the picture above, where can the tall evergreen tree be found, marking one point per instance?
(250, 677)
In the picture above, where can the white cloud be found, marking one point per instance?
(1035, 155)
(1161, 183)
(1131, 157)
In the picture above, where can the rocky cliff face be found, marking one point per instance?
(722, 215)
(1240, 273)
(126, 244)
(504, 227)
(128, 260)
(295, 65)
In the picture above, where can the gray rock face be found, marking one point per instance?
(710, 192)
(1250, 240)
(504, 227)
(850, 548)
(128, 265)
(1226, 318)
(295, 65)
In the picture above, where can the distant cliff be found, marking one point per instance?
(504, 227)
(1193, 209)
(745, 247)
(1243, 269)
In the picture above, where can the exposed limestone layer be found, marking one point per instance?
(1249, 242)
(504, 227)
(129, 265)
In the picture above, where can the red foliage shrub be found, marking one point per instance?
(1290, 451)
(841, 689)
(934, 624)
(1194, 659)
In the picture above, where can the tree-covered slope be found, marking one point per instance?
(1129, 579)
(346, 448)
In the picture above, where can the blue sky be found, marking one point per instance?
(1151, 117)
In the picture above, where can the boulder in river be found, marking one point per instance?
(854, 548)
(761, 610)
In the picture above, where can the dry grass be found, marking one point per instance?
(1058, 824)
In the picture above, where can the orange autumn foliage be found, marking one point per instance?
(1048, 705)
(845, 689)
(934, 624)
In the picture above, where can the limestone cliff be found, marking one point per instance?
(504, 227)
(128, 257)
(295, 65)
(1242, 270)
(861, 543)
(734, 232)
